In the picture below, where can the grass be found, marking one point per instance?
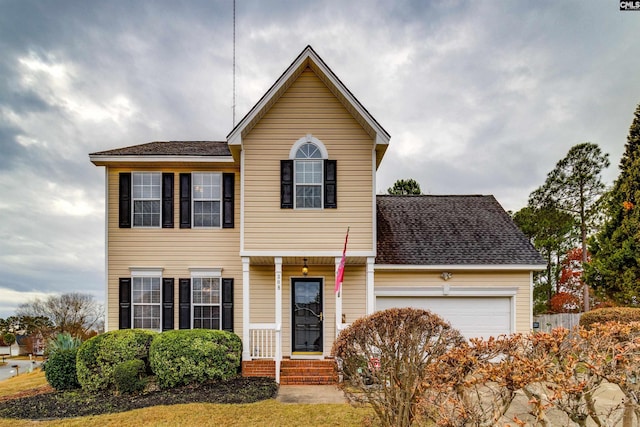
(265, 413)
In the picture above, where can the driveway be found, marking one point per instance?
(7, 371)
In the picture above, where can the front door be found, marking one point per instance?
(306, 303)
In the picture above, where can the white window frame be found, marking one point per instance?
(142, 274)
(293, 155)
(209, 274)
(135, 199)
(218, 176)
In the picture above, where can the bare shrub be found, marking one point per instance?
(384, 359)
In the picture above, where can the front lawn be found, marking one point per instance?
(207, 404)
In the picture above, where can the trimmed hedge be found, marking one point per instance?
(60, 369)
(194, 355)
(98, 356)
(129, 376)
(610, 314)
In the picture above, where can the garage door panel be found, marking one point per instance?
(474, 317)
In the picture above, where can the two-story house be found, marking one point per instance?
(247, 234)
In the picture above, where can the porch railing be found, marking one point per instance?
(265, 343)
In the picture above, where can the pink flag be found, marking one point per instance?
(340, 274)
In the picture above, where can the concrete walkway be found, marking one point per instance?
(310, 394)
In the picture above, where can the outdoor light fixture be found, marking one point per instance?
(446, 275)
(305, 268)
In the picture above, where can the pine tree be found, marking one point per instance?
(405, 187)
(615, 266)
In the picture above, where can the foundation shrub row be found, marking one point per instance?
(122, 361)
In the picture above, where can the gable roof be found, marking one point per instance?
(450, 230)
(309, 58)
(193, 151)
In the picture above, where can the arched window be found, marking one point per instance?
(308, 177)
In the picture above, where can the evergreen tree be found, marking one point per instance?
(615, 266)
(575, 186)
(405, 187)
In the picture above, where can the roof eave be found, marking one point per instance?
(103, 160)
(308, 57)
(460, 267)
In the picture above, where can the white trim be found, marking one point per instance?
(445, 291)
(160, 159)
(193, 304)
(531, 301)
(199, 272)
(134, 199)
(194, 200)
(460, 267)
(308, 54)
(246, 332)
(306, 254)
(338, 296)
(106, 249)
(278, 314)
(305, 139)
(374, 204)
(323, 283)
(370, 286)
(241, 202)
(146, 271)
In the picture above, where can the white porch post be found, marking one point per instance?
(246, 342)
(370, 285)
(278, 305)
(338, 298)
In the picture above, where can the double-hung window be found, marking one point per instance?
(207, 199)
(206, 298)
(146, 196)
(308, 176)
(146, 297)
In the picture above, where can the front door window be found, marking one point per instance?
(307, 315)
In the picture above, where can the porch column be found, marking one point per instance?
(246, 331)
(278, 305)
(370, 286)
(338, 297)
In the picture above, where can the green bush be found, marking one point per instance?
(195, 355)
(60, 369)
(129, 376)
(98, 356)
(610, 314)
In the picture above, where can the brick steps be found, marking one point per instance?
(301, 372)
(294, 372)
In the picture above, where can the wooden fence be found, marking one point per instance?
(547, 322)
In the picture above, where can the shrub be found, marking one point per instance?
(385, 357)
(129, 376)
(194, 355)
(63, 341)
(98, 356)
(610, 314)
(60, 369)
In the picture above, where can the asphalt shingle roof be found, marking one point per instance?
(171, 148)
(449, 230)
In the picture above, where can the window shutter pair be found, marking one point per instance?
(330, 184)
(184, 304)
(125, 203)
(126, 308)
(184, 310)
(228, 194)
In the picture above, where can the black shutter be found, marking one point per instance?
(125, 303)
(167, 304)
(227, 305)
(125, 200)
(286, 184)
(167, 200)
(184, 301)
(330, 184)
(228, 181)
(185, 200)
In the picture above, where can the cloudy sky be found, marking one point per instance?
(480, 97)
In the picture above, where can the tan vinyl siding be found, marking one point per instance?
(173, 249)
(494, 279)
(308, 107)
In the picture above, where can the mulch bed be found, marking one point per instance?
(77, 403)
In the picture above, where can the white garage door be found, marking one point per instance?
(474, 317)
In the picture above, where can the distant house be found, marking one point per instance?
(215, 234)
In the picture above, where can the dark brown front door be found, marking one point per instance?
(306, 303)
